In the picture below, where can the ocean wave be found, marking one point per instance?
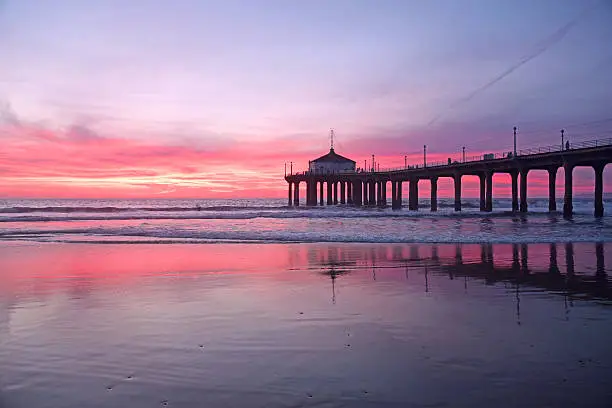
(304, 212)
(193, 207)
(590, 232)
(88, 209)
(259, 221)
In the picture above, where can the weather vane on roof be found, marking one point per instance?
(331, 135)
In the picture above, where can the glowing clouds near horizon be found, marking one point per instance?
(38, 162)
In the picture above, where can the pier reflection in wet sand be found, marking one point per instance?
(308, 325)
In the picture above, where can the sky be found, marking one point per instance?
(211, 98)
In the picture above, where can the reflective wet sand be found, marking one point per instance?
(326, 325)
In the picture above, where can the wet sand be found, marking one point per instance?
(326, 325)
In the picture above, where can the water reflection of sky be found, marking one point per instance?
(44, 269)
(304, 323)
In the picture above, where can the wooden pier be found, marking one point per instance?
(369, 188)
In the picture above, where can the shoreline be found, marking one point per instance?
(178, 241)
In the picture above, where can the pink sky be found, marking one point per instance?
(77, 163)
(211, 99)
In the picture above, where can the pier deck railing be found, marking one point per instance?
(483, 157)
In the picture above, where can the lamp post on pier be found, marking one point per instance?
(405, 161)
(562, 134)
(515, 141)
(424, 155)
(291, 172)
(463, 154)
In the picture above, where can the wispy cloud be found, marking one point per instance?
(538, 50)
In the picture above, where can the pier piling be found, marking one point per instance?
(434, 194)
(399, 194)
(321, 193)
(483, 204)
(568, 206)
(523, 207)
(552, 182)
(489, 198)
(296, 194)
(515, 203)
(413, 195)
(457, 179)
(599, 208)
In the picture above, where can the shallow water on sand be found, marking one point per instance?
(325, 325)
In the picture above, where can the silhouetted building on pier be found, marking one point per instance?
(332, 162)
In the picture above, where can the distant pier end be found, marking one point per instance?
(334, 179)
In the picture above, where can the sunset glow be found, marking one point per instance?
(223, 96)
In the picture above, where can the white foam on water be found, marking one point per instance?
(188, 221)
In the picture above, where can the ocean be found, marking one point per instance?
(270, 220)
(249, 303)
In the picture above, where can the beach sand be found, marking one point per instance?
(264, 325)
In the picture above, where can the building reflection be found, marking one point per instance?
(554, 267)
(334, 270)
(522, 265)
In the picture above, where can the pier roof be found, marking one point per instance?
(332, 157)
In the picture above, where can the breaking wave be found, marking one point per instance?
(261, 221)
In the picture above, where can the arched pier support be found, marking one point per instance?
(321, 193)
(335, 185)
(372, 193)
(296, 194)
(356, 190)
(457, 179)
(413, 195)
(399, 194)
(384, 193)
(523, 206)
(349, 192)
(515, 202)
(434, 194)
(483, 192)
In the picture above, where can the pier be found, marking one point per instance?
(371, 188)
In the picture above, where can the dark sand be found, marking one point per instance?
(288, 325)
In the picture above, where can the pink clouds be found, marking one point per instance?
(78, 162)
